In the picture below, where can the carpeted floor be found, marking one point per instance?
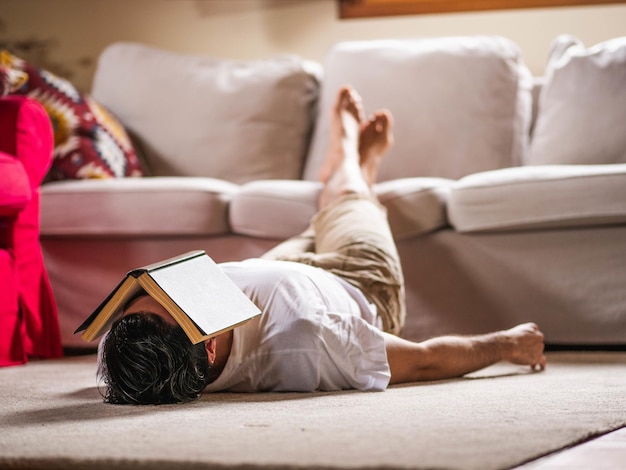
(52, 416)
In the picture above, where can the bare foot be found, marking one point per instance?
(375, 139)
(526, 346)
(345, 120)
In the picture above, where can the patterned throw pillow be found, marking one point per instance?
(11, 80)
(89, 142)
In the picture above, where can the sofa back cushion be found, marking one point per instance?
(460, 104)
(582, 105)
(201, 116)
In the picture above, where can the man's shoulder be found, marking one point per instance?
(266, 265)
(259, 271)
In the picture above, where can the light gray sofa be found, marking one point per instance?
(506, 193)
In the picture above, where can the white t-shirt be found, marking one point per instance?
(316, 332)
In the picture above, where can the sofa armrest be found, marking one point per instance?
(15, 191)
(27, 135)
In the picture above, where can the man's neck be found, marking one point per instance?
(222, 353)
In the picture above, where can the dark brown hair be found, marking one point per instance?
(147, 361)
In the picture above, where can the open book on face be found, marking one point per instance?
(191, 287)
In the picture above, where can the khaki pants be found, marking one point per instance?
(351, 238)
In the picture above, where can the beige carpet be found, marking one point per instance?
(51, 416)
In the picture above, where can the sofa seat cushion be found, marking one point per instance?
(281, 209)
(539, 197)
(415, 206)
(196, 115)
(136, 207)
(460, 104)
(275, 209)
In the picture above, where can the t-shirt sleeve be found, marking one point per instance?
(357, 352)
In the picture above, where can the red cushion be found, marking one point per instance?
(27, 134)
(15, 190)
(28, 316)
(11, 349)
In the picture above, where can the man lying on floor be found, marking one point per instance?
(332, 301)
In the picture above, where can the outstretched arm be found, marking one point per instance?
(454, 356)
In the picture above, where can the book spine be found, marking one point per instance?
(168, 262)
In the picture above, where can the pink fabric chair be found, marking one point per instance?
(29, 324)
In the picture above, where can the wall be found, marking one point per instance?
(66, 36)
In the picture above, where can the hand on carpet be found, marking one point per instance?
(526, 343)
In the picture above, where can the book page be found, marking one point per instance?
(200, 288)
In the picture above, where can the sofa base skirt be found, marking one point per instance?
(570, 282)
